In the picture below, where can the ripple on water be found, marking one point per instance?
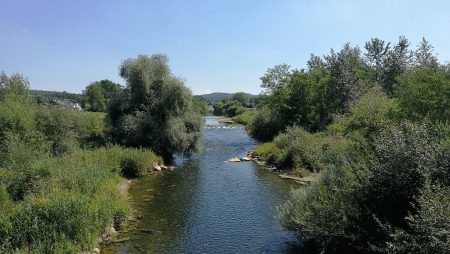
(209, 206)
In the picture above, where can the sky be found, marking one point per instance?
(215, 46)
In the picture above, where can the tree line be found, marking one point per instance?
(374, 125)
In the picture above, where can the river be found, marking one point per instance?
(209, 206)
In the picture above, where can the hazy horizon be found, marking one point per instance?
(215, 47)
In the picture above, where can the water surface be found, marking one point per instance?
(209, 206)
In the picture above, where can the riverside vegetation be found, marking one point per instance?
(375, 126)
(60, 169)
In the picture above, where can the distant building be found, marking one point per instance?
(67, 103)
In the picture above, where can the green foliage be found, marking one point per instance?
(385, 63)
(68, 130)
(424, 93)
(45, 97)
(68, 201)
(275, 78)
(301, 152)
(199, 106)
(358, 204)
(332, 85)
(323, 212)
(14, 87)
(428, 229)
(155, 109)
(370, 113)
(266, 124)
(136, 163)
(58, 204)
(307, 105)
(97, 95)
(408, 158)
(227, 107)
(242, 98)
(382, 183)
(268, 152)
(213, 98)
(15, 117)
(246, 118)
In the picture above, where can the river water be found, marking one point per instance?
(209, 206)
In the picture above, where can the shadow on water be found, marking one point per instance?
(209, 206)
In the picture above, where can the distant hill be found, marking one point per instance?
(215, 97)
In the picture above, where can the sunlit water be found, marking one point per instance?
(209, 206)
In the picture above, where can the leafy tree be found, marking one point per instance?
(396, 62)
(97, 95)
(14, 87)
(229, 107)
(423, 56)
(155, 108)
(199, 106)
(242, 98)
(371, 113)
(346, 69)
(267, 124)
(377, 50)
(275, 78)
(424, 93)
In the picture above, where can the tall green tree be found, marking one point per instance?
(15, 87)
(242, 98)
(424, 93)
(155, 108)
(423, 56)
(97, 95)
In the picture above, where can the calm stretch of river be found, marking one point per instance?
(209, 206)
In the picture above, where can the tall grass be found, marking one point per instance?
(67, 201)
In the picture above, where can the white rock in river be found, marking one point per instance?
(235, 159)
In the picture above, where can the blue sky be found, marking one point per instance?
(214, 45)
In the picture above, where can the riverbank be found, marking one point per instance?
(265, 154)
(284, 174)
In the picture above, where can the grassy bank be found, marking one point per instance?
(246, 118)
(62, 204)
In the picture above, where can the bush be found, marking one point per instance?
(302, 152)
(266, 124)
(324, 211)
(199, 106)
(358, 203)
(16, 117)
(268, 152)
(135, 163)
(371, 113)
(68, 130)
(246, 118)
(427, 230)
